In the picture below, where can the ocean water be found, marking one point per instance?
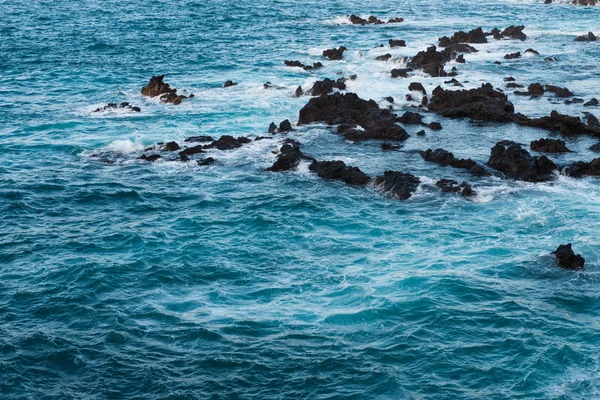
(126, 279)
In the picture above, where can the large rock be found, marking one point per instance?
(338, 170)
(515, 162)
(397, 185)
(358, 119)
(581, 168)
(483, 103)
(566, 258)
(565, 124)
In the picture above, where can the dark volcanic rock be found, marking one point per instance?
(532, 51)
(515, 162)
(289, 157)
(272, 128)
(285, 126)
(397, 185)
(227, 142)
(338, 170)
(299, 92)
(565, 124)
(191, 151)
(334, 54)
(446, 158)
(350, 111)
(566, 258)
(171, 146)
(451, 186)
(474, 36)
(581, 168)
(460, 59)
(593, 102)
(305, 67)
(549, 146)
(326, 86)
(513, 32)
(193, 139)
(411, 118)
(590, 37)
(483, 103)
(558, 91)
(417, 87)
(390, 147)
(400, 72)
(150, 158)
(397, 43)
(395, 20)
(123, 106)
(512, 56)
(206, 161)
(432, 61)
(156, 87)
(385, 57)
(229, 84)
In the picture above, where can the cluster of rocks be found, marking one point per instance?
(372, 20)
(157, 87)
(537, 89)
(590, 37)
(305, 67)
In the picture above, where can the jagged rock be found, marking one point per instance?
(590, 37)
(326, 86)
(446, 158)
(156, 87)
(289, 157)
(483, 103)
(227, 142)
(272, 128)
(566, 258)
(334, 54)
(397, 43)
(460, 59)
(350, 112)
(451, 186)
(453, 82)
(305, 67)
(397, 185)
(582, 168)
(299, 92)
(565, 124)
(549, 146)
(474, 36)
(338, 170)
(123, 106)
(514, 32)
(515, 162)
(432, 61)
(285, 126)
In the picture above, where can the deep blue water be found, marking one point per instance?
(171, 280)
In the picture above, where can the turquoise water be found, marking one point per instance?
(128, 279)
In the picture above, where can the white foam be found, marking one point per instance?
(124, 146)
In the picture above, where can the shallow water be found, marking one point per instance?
(172, 280)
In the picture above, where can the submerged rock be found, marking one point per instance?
(567, 259)
(397, 185)
(229, 84)
(150, 158)
(114, 106)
